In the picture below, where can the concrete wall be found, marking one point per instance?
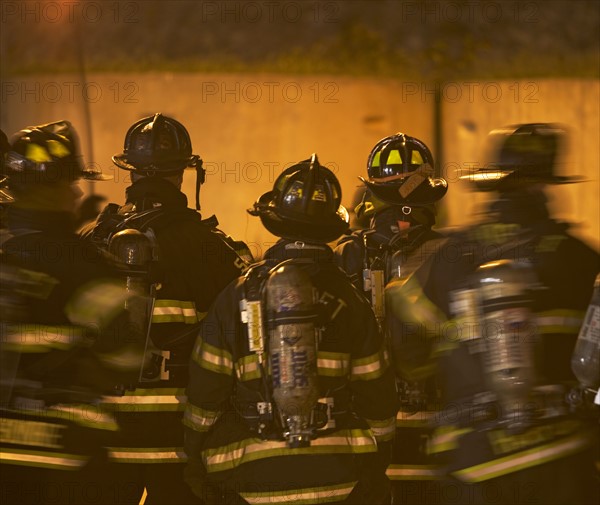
(248, 128)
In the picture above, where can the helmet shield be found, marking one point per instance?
(400, 170)
(46, 154)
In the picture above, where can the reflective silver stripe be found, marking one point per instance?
(419, 419)
(322, 494)
(247, 368)
(559, 321)
(384, 433)
(199, 419)
(524, 459)
(383, 430)
(343, 441)
(212, 358)
(83, 414)
(413, 472)
(370, 367)
(333, 364)
(42, 459)
(172, 311)
(446, 439)
(145, 400)
(147, 455)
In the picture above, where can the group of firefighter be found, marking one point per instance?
(147, 357)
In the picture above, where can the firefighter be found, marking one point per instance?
(501, 303)
(63, 336)
(400, 201)
(291, 336)
(192, 264)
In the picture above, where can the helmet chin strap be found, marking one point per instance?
(200, 177)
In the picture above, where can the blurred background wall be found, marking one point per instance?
(261, 85)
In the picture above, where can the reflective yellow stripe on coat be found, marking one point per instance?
(51, 460)
(148, 400)
(147, 455)
(176, 311)
(322, 494)
(525, 459)
(559, 321)
(251, 449)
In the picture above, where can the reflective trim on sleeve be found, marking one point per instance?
(212, 358)
(252, 449)
(525, 459)
(368, 368)
(247, 368)
(176, 311)
(52, 460)
(90, 416)
(559, 321)
(445, 439)
(84, 414)
(199, 419)
(383, 430)
(333, 364)
(302, 496)
(147, 455)
(148, 400)
(39, 338)
(419, 419)
(96, 303)
(414, 472)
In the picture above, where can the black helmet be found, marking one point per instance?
(156, 146)
(305, 204)
(400, 170)
(44, 154)
(522, 154)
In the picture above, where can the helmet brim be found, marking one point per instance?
(492, 179)
(389, 192)
(121, 160)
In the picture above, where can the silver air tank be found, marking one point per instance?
(509, 334)
(134, 250)
(585, 360)
(291, 318)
